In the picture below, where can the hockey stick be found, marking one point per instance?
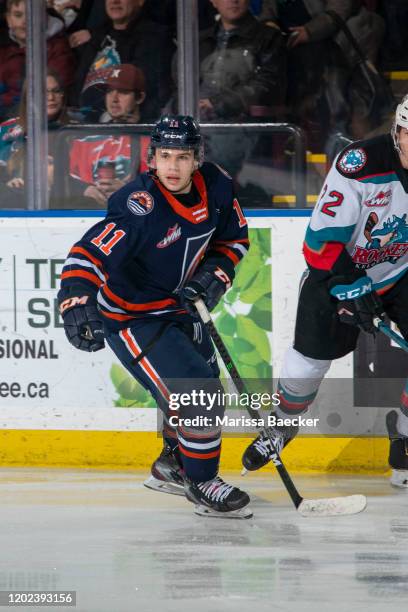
(351, 504)
(386, 329)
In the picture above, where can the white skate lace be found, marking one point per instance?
(263, 445)
(216, 489)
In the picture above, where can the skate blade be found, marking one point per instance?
(399, 478)
(163, 487)
(242, 513)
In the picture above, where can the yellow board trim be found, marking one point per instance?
(129, 450)
(291, 199)
(397, 75)
(316, 158)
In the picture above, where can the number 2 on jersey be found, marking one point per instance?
(327, 206)
(106, 247)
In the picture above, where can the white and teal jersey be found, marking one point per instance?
(360, 218)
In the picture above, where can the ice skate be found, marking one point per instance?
(398, 457)
(216, 498)
(166, 474)
(258, 453)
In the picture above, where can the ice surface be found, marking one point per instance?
(125, 548)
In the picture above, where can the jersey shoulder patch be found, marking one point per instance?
(366, 157)
(352, 161)
(140, 203)
(132, 201)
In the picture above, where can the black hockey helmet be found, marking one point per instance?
(177, 132)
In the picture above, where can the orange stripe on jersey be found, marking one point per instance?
(145, 363)
(230, 254)
(88, 255)
(325, 258)
(243, 241)
(82, 274)
(157, 305)
(188, 212)
(199, 455)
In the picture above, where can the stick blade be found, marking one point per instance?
(333, 506)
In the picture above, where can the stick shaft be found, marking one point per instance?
(239, 383)
(386, 330)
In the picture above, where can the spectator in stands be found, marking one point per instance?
(242, 65)
(124, 94)
(129, 37)
(99, 166)
(321, 60)
(67, 9)
(12, 55)
(13, 131)
(13, 194)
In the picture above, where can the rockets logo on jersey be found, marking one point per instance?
(386, 243)
(352, 160)
(140, 203)
(173, 234)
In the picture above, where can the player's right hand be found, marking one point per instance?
(358, 303)
(83, 326)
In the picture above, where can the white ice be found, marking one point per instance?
(125, 548)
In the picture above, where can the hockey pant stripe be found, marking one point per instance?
(133, 347)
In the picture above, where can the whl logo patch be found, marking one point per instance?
(173, 234)
(379, 200)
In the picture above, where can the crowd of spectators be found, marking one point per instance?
(114, 61)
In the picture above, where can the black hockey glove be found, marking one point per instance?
(210, 284)
(358, 304)
(82, 323)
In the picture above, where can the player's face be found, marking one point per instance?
(231, 10)
(403, 145)
(174, 168)
(120, 103)
(16, 20)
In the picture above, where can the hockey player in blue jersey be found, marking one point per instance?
(356, 249)
(172, 235)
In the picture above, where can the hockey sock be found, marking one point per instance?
(200, 455)
(292, 405)
(402, 423)
(299, 383)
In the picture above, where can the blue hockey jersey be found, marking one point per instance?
(136, 260)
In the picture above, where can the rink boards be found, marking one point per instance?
(59, 406)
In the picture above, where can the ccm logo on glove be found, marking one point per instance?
(73, 301)
(360, 287)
